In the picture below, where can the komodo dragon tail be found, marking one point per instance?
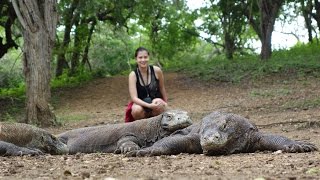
(28, 136)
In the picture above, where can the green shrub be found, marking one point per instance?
(300, 61)
(65, 80)
(17, 92)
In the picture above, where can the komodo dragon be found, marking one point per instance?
(124, 137)
(23, 139)
(222, 133)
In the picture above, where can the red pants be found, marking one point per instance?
(128, 117)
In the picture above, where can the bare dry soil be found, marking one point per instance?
(289, 107)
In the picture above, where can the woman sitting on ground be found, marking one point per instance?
(146, 88)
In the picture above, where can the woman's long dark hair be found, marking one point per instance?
(140, 49)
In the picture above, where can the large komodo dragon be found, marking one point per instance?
(220, 134)
(124, 137)
(23, 139)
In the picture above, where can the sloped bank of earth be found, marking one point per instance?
(286, 107)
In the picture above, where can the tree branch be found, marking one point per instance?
(18, 13)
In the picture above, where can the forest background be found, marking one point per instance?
(216, 42)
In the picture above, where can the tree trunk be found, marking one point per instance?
(316, 15)
(307, 11)
(229, 45)
(69, 18)
(269, 10)
(77, 46)
(38, 20)
(85, 58)
(8, 19)
(251, 12)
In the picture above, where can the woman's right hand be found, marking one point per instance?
(157, 104)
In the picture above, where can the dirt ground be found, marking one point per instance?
(285, 107)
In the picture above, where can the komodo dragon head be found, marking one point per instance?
(173, 120)
(48, 143)
(224, 133)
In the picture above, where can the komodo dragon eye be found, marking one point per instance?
(169, 116)
(223, 126)
(54, 138)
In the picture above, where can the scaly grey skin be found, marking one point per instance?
(124, 137)
(23, 139)
(222, 133)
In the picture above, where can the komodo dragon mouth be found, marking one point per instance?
(55, 146)
(215, 142)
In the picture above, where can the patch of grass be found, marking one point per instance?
(303, 104)
(72, 118)
(8, 118)
(313, 171)
(270, 92)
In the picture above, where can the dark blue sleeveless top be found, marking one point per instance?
(153, 87)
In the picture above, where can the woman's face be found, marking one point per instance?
(142, 58)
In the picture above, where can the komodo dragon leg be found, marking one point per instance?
(126, 144)
(9, 149)
(171, 145)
